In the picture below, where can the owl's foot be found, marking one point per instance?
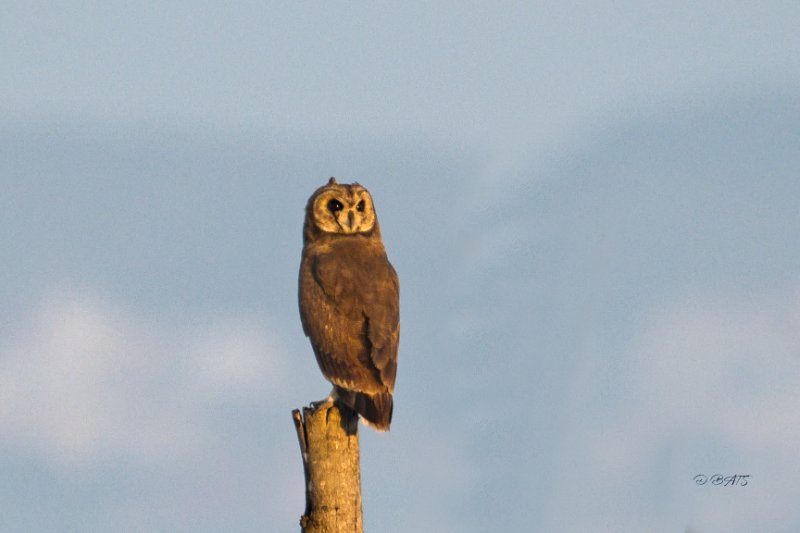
(327, 403)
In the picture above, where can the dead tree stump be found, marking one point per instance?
(328, 436)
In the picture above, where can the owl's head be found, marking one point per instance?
(341, 208)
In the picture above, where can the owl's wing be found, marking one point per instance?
(382, 315)
(354, 324)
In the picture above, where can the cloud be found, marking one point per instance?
(185, 424)
(83, 379)
(707, 386)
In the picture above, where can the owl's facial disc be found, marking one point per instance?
(344, 209)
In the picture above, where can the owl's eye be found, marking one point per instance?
(360, 206)
(335, 205)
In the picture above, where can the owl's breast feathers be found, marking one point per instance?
(349, 306)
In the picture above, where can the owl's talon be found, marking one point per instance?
(316, 406)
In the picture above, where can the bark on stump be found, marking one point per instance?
(328, 436)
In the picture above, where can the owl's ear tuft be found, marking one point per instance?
(332, 181)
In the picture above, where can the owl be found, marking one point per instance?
(349, 300)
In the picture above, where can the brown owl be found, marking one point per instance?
(349, 300)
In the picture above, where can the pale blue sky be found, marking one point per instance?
(592, 209)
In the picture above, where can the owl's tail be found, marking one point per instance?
(374, 409)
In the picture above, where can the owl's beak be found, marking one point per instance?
(350, 219)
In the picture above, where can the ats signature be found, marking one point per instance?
(735, 480)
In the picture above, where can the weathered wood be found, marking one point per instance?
(328, 436)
